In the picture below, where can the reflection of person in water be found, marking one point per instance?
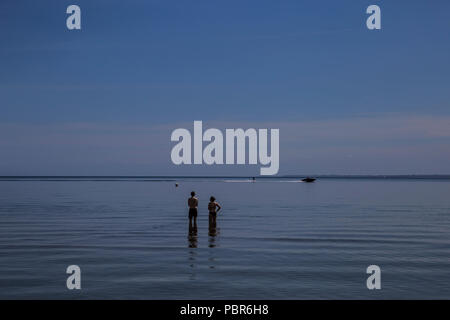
(212, 233)
(192, 236)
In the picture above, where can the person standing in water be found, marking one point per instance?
(212, 230)
(193, 204)
(212, 206)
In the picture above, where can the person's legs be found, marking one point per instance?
(193, 215)
(190, 217)
(212, 225)
(212, 219)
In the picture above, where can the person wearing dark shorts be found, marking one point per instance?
(193, 204)
(192, 213)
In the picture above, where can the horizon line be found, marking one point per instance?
(413, 175)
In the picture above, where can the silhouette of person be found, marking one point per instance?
(212, 206)
(193, 204)
(213, 230)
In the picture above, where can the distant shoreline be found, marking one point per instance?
(174, 178)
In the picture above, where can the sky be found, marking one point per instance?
(104, 100)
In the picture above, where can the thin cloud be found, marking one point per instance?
(381, 144)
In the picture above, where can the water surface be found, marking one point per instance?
(275, 239)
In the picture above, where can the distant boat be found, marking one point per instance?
(308, 179)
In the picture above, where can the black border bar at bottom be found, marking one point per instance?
(224, 309)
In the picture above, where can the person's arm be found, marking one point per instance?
(218, 207)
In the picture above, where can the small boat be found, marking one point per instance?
(308, 179)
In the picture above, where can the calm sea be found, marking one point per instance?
(275, 239)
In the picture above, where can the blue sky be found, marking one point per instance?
(139, 69)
